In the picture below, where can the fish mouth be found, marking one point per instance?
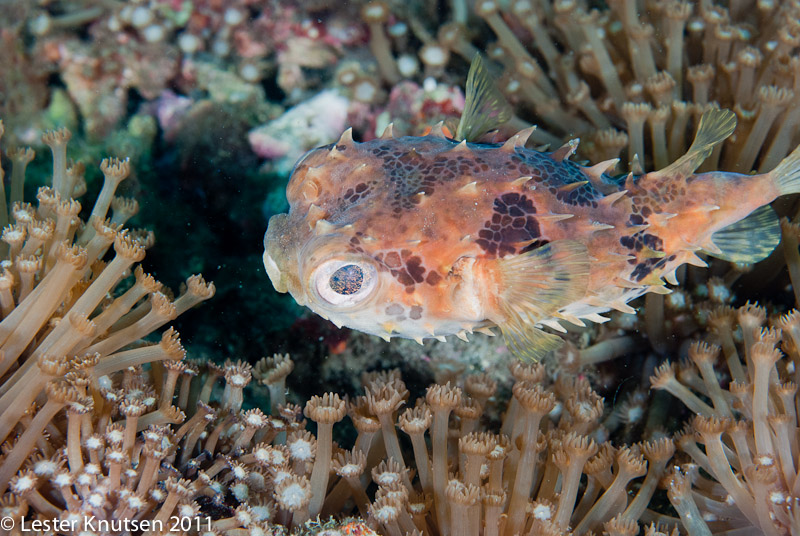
(275, 252)
(273, 272)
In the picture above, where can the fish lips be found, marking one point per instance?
(275, 252)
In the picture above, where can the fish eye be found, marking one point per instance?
(345, 282)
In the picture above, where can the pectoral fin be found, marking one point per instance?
(534, 286)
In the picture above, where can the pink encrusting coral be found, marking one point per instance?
(138, 50)
(323, 117)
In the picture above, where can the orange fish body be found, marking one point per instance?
(427, 237)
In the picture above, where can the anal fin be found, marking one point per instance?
(534, 286)
(749, 240)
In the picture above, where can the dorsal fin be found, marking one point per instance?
(626, 283)
(715, 126)
(692, 258)
(485, 107)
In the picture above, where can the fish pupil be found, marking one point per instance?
(347, 280)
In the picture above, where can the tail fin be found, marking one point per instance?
(787, 174)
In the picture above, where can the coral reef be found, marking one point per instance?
(546, 467)
(632, 75)
(629, 77)
(745, 405)
(106, 433)
(103, 416)
(72, 329)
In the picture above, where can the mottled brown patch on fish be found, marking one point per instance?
(512, 228)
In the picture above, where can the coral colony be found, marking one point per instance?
(679, 415)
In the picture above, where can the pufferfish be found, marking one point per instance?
(428, 236)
